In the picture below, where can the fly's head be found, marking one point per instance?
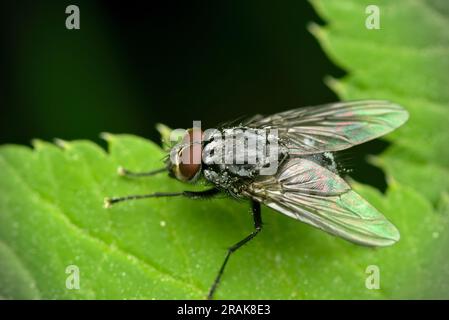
(184, 161)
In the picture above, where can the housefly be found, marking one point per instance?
(299, 179)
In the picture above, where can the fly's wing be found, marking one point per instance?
(305, 191)
(333, 127)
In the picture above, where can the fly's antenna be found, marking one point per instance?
(127, 173)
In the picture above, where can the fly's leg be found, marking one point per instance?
(125, 172)
(257, 226)
(188, 194)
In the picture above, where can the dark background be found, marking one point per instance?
(133, 64)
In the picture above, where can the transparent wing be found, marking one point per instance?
(333, 127)
(305, 191)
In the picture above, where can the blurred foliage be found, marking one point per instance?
(130, 66)
(51, 215)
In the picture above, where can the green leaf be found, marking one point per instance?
(51, 217)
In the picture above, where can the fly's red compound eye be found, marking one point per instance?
(190, 155)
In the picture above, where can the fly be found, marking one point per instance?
(285, 162)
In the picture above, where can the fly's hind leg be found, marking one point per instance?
(257, 217)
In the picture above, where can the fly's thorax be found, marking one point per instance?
(185, 158)
(241, 151)
(225, 181)
(233, 157)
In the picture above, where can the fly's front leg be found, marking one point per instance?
(127, 173)
(188, 194)
(201, 194)
(257, 217)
